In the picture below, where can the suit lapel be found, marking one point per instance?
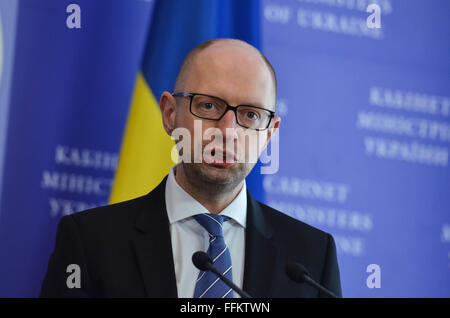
(260, 253)
(153, 247)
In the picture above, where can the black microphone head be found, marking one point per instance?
(297, 272)
(201, 260)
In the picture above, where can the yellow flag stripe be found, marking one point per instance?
(145, 154)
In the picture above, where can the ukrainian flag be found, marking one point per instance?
(177, 26)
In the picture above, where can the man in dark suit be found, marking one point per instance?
(143, 247)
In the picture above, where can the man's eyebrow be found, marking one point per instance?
(245, 102)
(257, 104)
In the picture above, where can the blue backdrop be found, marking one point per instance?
(69, 96)
(365, 134)
(363, 140)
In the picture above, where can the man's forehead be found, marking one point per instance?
(229, 51)
(255, 92)
(230, 69)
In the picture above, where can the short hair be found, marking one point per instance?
(194, 52)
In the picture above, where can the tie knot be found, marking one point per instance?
(212, 223)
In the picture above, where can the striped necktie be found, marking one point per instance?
(208, 284)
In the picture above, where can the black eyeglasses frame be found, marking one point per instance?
(229, 107)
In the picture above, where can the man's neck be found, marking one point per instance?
(214, 202)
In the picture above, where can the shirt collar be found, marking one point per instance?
(181, 205)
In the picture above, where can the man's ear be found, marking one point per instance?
(273, 128)
(167, 104)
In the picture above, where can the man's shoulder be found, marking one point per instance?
(108, 220)
(121, 213)
(283, 223)
(120, 210)
(300, 242)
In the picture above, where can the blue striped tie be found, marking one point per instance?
(208, 284)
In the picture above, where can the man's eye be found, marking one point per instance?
(208, 106)
(252, 115)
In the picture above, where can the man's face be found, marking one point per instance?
(239, 76)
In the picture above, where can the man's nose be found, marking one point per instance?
(228, 120)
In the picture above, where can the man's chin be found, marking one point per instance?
(217, 173)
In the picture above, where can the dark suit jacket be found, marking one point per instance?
(124, 250)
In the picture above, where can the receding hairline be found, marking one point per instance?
(191, 56)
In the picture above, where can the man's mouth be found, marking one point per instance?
(220, 158)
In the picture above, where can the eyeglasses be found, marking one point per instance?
(213, 108)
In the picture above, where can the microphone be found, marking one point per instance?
(299, 274)
(203, 262)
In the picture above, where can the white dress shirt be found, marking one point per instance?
(188, 236)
